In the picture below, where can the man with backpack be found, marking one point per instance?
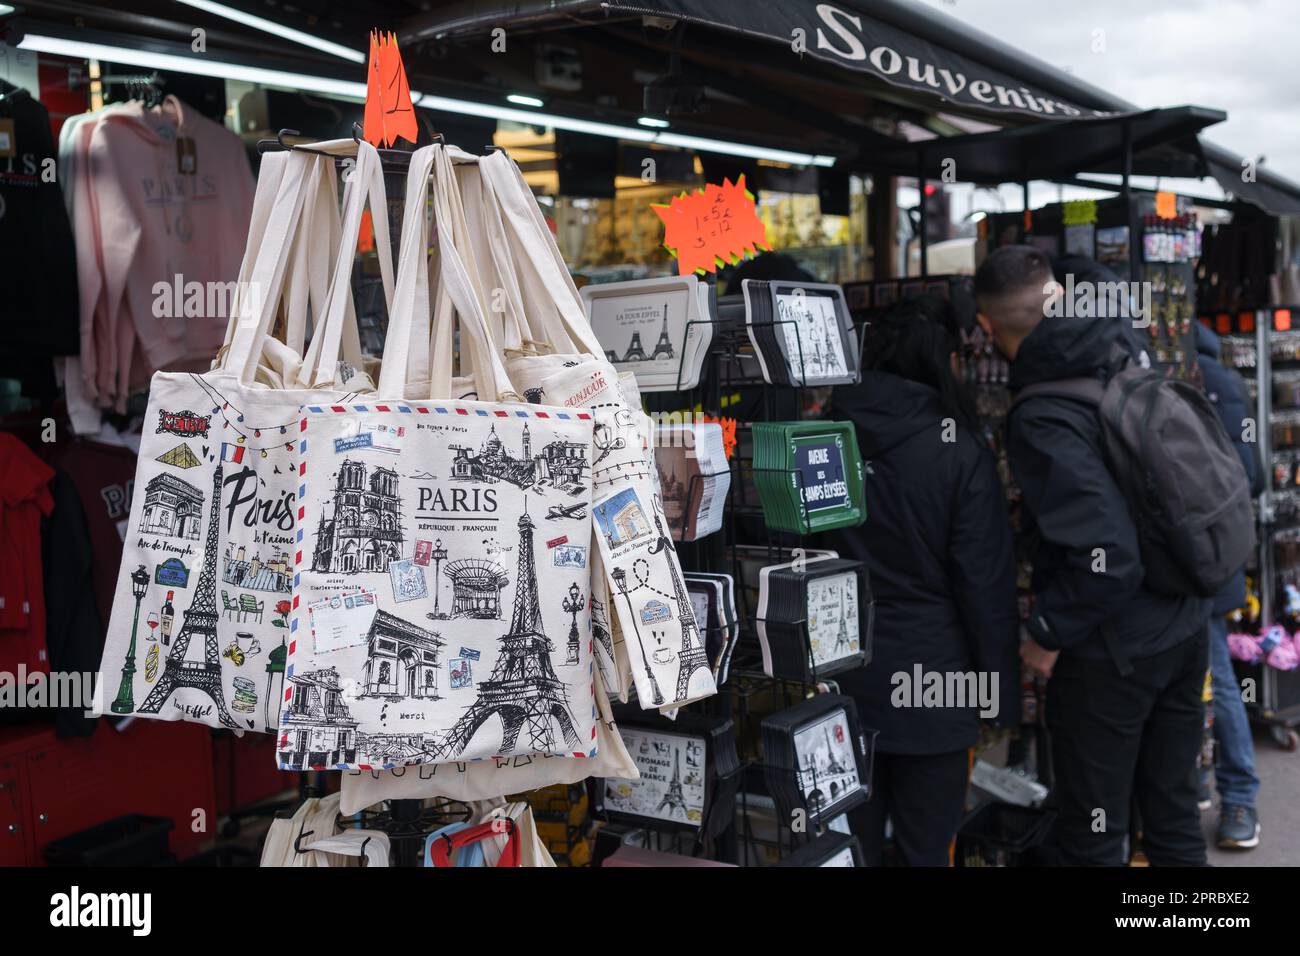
(1135, 510)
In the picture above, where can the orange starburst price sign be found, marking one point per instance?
(713, 227)
(389, 113)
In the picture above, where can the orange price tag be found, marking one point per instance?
(728, 433)
(389, 113)
(1282, 320)
(713, 227)
(1166, 205)
(366, 236)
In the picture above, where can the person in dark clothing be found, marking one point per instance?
(937, 544)
(771, 266)
(1234, 769)
(1126, 665)
(1075, 269)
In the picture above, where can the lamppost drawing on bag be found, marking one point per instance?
(620, 581)
(125, 701)
(200, 618)
(600, 627)
(274, 665)
(523, 689)
(572, 606)
(439, 555)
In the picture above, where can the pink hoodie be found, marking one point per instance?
(151, 222)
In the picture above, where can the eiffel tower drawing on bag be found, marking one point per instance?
(200, 618)
(523, 689)
(692, 656)
(674, 799)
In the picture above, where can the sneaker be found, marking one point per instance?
(1203, 793)
(1238, 828)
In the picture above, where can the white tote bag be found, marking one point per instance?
(485, 779)
(441, 600)
(200, 617)
(646, 587)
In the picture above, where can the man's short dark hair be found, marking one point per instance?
(1012, 269)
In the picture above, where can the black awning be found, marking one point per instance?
(1272, 193)
(1163, 142)
(881, 42)
(918, 49)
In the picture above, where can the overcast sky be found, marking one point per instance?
(1240, 56)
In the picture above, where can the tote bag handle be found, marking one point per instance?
(430, 173)
(366, 183)
(313, 242)
(543, 277)
(259, 289)
(491, 255)
(335, 323)
(443, 846)
(270, 178)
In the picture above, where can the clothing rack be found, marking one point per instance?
(393, 160)
(144, 86)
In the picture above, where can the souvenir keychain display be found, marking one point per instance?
(817, 758)
(815, 618)
(713, 597)
(808, 475)
(801, 332)
(830, 849)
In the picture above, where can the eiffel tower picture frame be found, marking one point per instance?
(666, 792)
(659, 328)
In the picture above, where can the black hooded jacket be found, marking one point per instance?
(1087, 566)
(938, 545)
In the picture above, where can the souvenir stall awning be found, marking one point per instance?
(912, 49)
(798, 81)
(1163, 143)
(893, 41)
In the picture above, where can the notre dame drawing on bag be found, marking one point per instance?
(365, 532)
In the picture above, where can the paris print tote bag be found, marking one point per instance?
(199, 624)
(442, 581)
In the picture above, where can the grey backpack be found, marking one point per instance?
(1179, 472)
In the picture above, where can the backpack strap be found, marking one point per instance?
(1088, 390)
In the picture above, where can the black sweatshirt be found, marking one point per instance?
(1087, 566)
(938, 546)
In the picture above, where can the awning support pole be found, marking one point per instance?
(1134, 262)
(925, 244)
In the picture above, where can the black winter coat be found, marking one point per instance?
(938, 545)
(1054, 446)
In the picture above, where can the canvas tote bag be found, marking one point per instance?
(557, 358)
(485, 779)
(441, 583)
(647, 591)
(200, 616)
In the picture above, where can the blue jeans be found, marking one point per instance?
(1234, 770)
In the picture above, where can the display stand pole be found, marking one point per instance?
(1134, 255)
